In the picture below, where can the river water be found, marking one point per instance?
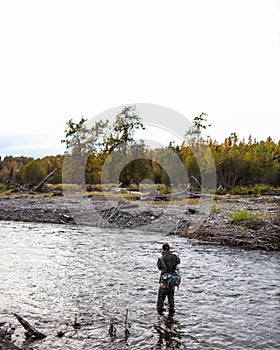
(50, 274)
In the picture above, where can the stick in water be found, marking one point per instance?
(33, 331)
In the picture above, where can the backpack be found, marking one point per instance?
(173, 278)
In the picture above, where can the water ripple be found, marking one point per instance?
(228, 299)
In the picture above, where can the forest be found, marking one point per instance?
(240, 165)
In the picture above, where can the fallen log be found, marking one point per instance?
(167, 196)
(32, 332)
(156, 197)
(38, 188)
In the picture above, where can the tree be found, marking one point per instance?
(49, 164)
(263, 160)
(193, 134)
(123, 130)
(81, 141)
(11, 169)
(138, 169)
(33, 173)
(230, 162)
(99, 140)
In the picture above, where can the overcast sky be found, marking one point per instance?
(65, 59)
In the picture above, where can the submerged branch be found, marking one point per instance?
(32, 332)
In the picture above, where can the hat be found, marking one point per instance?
(165, 246)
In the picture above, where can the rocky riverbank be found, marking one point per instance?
(212, 227)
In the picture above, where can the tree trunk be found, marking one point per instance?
(41, 184)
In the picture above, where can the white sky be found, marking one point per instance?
(65, 59)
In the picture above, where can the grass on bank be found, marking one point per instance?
(243, 215)
(255, 190)
(99, 189)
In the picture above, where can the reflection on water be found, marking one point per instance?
(170, 332)
(50, 274)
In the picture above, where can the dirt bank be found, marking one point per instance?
(216, 227)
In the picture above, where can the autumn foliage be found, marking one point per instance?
(238, 163)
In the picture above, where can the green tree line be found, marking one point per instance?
(237, 162)
(28, 172)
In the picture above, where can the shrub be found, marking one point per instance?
(243, 215)
(14, 190)
(261, 189)
(221, 191)
(132, 187)
(214, 208)
(240, 190)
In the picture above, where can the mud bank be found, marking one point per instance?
(216, 227)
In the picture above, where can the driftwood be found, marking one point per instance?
(236, 237)
(126, 325)
(76, 327)
(155, 197)
(31, 331)
(166, 197)
(38, 188)
(112, 329)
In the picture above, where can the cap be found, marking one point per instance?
(165, 246)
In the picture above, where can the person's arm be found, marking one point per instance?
(177, 264)
(161, 265)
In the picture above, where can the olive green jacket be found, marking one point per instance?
(171, 261)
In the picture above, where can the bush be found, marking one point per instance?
(132, 187)
(57, 187)
(240, 190)
(261, 189)
(243, 215)
(215, 209)
(94, 188)
(14, 190)
(221, 191)
(253, 190)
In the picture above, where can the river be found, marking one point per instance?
(50, 274)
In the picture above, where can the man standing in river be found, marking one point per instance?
(166, 263)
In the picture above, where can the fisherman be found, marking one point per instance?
(167, 263)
